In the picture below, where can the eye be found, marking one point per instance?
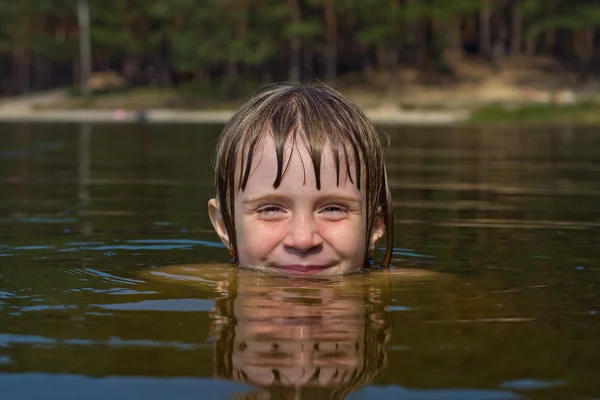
(271, 212)
(334, 211)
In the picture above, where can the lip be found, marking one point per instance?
(296, 269)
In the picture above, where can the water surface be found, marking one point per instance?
(105, 292)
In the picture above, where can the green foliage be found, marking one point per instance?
(23, 28)
(193, 36)
(561, 14)
(444, 8)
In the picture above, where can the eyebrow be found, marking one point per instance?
(281, 198)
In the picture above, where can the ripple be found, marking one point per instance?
(14, 154)
(531, 384)
(130, 292)
(41, 307)
(41, 220)
(399, 392)
(398, 308)
(180, 305)
(75, 387)
(26, 248)
(190, 242)
(180, 277)
(411, 254)
(105, 275)
(127, 247)
(8, 339)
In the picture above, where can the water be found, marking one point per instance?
(112, 283)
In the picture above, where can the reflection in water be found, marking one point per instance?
(300, 339)
(85, 174)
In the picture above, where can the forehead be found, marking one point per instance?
(297, 168)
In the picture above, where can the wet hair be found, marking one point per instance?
(315, 114)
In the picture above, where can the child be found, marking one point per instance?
(301, 184)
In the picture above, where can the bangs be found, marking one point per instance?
(298, 121)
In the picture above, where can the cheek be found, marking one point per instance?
(257, 239)
(347, 237)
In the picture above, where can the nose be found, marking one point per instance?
(303, 235)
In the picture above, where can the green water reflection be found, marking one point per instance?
(105, 242)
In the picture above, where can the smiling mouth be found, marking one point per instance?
(303, 269)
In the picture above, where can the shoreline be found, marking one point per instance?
(377, 116)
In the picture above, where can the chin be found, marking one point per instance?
(296, 270)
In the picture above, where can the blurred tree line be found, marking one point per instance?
(227, 43)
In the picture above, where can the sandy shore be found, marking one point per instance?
(31, 108)
(379, 116)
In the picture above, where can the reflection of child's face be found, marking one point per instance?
(306, 336)
(297, 229)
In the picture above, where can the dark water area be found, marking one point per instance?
(113, 285)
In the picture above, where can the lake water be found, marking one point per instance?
(103, 291)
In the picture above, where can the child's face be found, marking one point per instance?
(297, 229)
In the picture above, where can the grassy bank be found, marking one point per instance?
(585, 112)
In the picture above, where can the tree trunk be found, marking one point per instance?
(485, 38)
(456, 35)
(452, 51)
(583, 47)
(230, 81)
(201, 76)
(392, 70)
(381, 57)
(530, 46)
(550, 40)
(500, 42)
(367, 64)
(130, 69)
(85, 53)
(76, 73)
(308, 57)
(24, 72)
(516, 40)
(418, 31)
(392, 53)
(420, 43)
(295, 43)
(231, 78)
(331, 40)
(267, 73)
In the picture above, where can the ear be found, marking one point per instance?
(376, 232)
(214, 212)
